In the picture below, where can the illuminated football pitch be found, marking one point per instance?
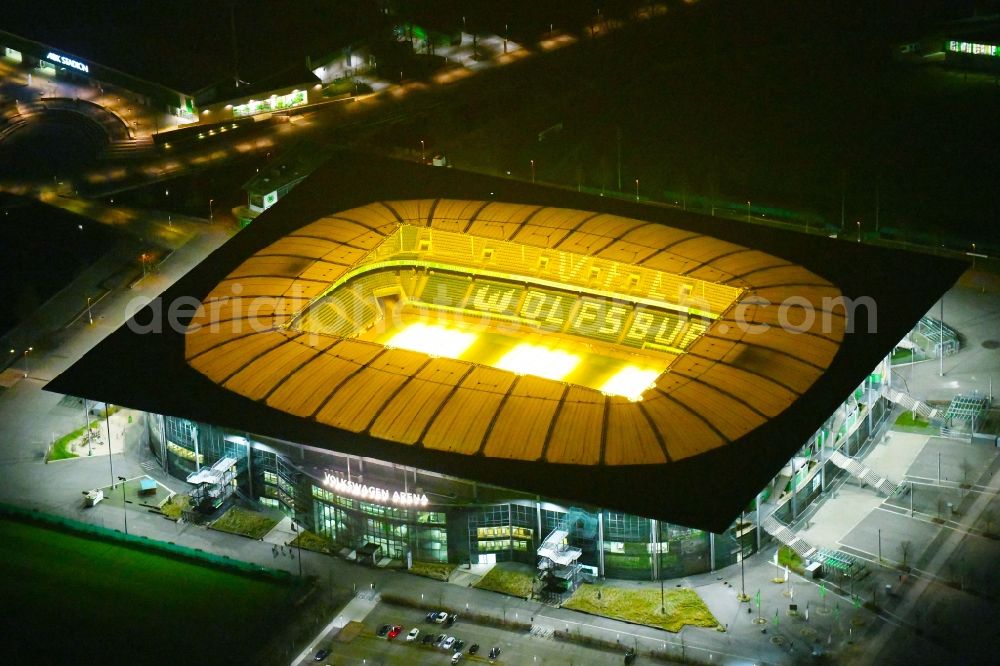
(531, 354)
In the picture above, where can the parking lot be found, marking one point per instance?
(515, 647)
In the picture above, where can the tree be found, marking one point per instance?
(966, 468)
(904, 550)
(989, 517)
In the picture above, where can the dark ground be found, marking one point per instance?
(65, 593)
(43, 249)
(785, 109)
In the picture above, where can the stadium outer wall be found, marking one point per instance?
(442, 518)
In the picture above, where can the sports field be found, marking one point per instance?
(80, 600)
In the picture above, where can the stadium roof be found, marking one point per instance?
(732, 407)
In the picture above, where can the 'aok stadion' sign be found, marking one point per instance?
(372, 493)
(69, 62)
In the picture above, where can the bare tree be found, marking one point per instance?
(904, 550)
(966, 468)
(988, 516)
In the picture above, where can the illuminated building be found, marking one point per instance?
(531, 361)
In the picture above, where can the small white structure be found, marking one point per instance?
(93, 497)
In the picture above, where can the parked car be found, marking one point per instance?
(394, 631)
(440, 617)
(428, 639)
(412, 636)
(451, 619)
(383, 630)
(494, 653)
(432, 616)
(440, 639)
(448, 642)
(457, 657)
(474, 648)
(459, 644)
(321, 654)
(629, 655)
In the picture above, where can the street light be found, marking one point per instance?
(636, 189)
(748, 211)
(532, 171)
(423, 154)
(26, 352)
(211, 212)
(743, 581)
(142, 257)
(859, 231)
(122, 479)
(90, 316)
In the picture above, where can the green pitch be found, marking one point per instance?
(81, 600)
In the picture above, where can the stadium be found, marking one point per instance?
(454, 367)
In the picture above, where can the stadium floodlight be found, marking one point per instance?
(630, 382)
(432, 340)
(528, 359)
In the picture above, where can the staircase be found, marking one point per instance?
(865, 474)
(780, 531)
(129, 149)
(908, 403)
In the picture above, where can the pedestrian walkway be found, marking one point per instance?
(281, 534)
(896, 453)
(356, 610)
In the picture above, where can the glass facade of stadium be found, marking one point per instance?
(417, 515)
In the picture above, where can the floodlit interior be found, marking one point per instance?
(527, 359)
(432, 340)
(582, 365)
(625, 296)
(630, 382)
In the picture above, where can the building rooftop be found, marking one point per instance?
(731, 407)
(291, 166)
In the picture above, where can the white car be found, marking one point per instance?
(457, 657)
(441, 617)
(412, 636)
(448, 642)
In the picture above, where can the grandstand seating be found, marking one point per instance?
(347, 309)
(445, 289)
(569, 268)
(351, 308)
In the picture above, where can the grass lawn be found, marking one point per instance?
(907, 420)
(642, 606)
(435, 570)
(175, 506)
(902, 356)
(72, 598)
(247, 523)
(60, 448)
(313, 542)
(787, 556)
(514, 583)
